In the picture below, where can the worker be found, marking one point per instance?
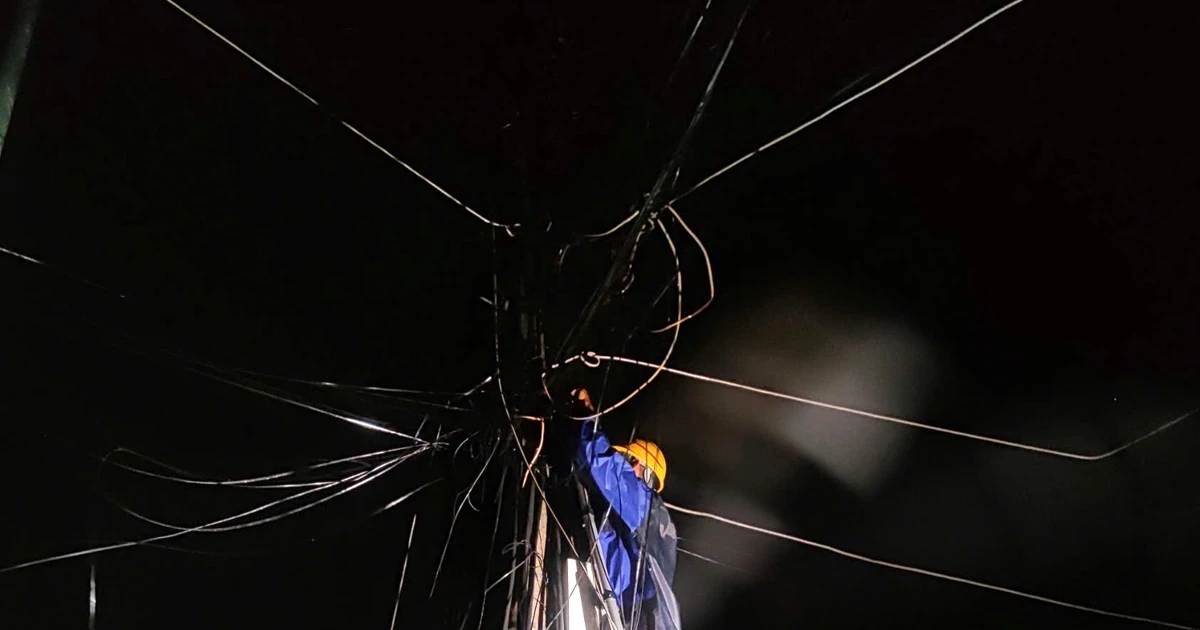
(636, 537)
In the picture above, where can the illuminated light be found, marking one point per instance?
(575, 618)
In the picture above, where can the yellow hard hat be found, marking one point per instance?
(650, 456)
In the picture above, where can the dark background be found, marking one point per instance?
(999, 241)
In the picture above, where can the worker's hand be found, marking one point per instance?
(580, 396)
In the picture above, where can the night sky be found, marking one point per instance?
(1000, 241)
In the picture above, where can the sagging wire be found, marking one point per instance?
(536, 452)
(709, 560)
(404, 497)
(260, 552)
(614, 228)
(321, 486)
(374, 389)
(562, 252)
(380, 470)
(333, 412)
(176, 534)
(362, 422)
(853, 98)
(607, 370)
(465, 616)
(512, 548)
(28, 259)
(925, 572)
(75, 277)
(226, 375)
(725, 549)
(470, 491)
(386, 393)
(389, 505)
(248, 482)
(591, 359)
(670, 349)
(206, 370)
(390, 390)
(360, 477)
(403, 570)
(462, 444)
(687, 45)
(507, 227)
(712, 289)
(402, 403)
(705, 99)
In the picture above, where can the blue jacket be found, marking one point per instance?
(638, 521)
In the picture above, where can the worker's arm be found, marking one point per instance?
(614, 477)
